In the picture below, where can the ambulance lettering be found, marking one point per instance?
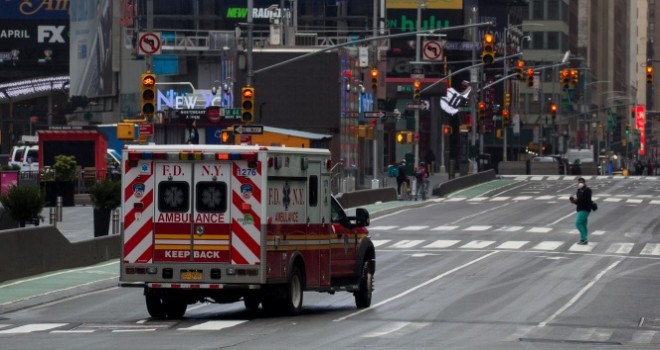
(283, 216)
(174, 217)
(206, 255)
(172, 170)
(209, 218)
(180, 254)
(210, 170)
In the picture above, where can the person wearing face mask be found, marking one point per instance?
(582, 201)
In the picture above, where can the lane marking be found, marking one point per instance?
(212, 326)
(620, 248)
(539, 230)
(34, 327)
(651, 249)
(579, 294)
(548, 245)
(479, 213)
(406, 243)
(477, 228)
(58, 273)
(512, 245)
(477, 244)
(444, 228)
(422, 285)
(380, 242)
(413, 228)
(387, 329)
(442, 243)
(382, 228)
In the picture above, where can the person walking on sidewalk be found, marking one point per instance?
(582, 201)
(402, 177)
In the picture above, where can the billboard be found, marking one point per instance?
(430, 4)
(34, 32)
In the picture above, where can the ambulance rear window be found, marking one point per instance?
(173, 196)
(313, 190)
(211, 197)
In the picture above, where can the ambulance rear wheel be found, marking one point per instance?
(156, 306)
(294, 293)
(363, 295)
(162, 306)
(175, 308)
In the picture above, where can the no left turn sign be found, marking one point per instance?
(432, 50)
(149, 44)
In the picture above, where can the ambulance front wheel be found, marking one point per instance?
(363, 295)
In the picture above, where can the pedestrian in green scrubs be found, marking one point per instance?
(582, 200)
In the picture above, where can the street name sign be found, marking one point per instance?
(375, 114)
(249, 129)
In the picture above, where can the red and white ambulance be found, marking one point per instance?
(223, 223)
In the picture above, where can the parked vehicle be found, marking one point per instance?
(25, 156)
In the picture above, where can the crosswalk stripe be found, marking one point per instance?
(5, 325)
(406, 243)
(510, 228)
(413, 228)
(597, 233)
(643, 337)
(654, 202)
(382, 228)
(613, 199)
(455, 199)
(634, 201)
(442, 243)
(211, 326)
(477, 199)
(651, 249)
(34, 327)
(512, 245)
(548, 245)
(522, 198)
(477, 244)
(545, 198)
(499, 199)
(620, 248)
(583, 248)
(477, 228)
(444, 228)
(380, 242)
(539, 230)
(590, 334)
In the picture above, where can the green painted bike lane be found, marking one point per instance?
(60, 283)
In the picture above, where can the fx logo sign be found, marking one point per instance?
(52, 33)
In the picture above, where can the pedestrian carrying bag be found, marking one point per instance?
(594, 206)
(393, 171)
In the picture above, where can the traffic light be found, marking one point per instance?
(417, 95)
(507, 100)
(575, 76)
(482, 110)
(649, 74)
(627, 129)
(400, 137)
(553, 111)
(148, 95)
(374, 81)
(505, 117)
(488, 53)
(520, 70)
(530, 77)
(446, 129)
(247, 104)
(564, 78)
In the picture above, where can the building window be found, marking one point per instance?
(538, 41)
(553, 9)
(537, 9)
(553, 41)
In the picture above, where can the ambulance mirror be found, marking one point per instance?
(361, 217)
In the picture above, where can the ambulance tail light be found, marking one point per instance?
(250, 157)
(221, 156)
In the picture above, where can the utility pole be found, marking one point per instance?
(250, 24)
(418, 43)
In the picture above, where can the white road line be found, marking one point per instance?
(522, 198)
(499, 199)
(597, 233)
(212, 326)
(548, 245)
(380, 242)
(479, 213)
(536, 178)
(477, 244)
(442, 243)
(421, 285)
(444, 228)
(477, 199)
(579, 294)
(634, 201)
(545, 198)
(382, 228)
(643, 337)
(562, 218)
(5, 325)
(477, 228)
(512, 245)
(620, 248)
(406, 243)
(455, 199)
(72, 331)
(612, 199)
(583, 248)
(387, 329)
(509, 228)
(654, 202)
(539, 229)
(413, 228)
(33, 327)
(133, 330)
(651, 249)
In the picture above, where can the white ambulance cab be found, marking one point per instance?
(227, 223)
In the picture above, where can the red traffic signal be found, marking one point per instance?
(530, 77)
(488, 53)
(148, 94)
(649, 74)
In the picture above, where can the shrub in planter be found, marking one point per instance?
(59, 180)
(23, 203)
(105, 196)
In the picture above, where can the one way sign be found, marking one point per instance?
(249, 129)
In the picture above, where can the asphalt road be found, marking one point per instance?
(491, 267)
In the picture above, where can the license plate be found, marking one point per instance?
(191, 275)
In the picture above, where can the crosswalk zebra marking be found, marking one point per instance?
(512, 245)
(545, 198)
(643, 337)
(442, 243)
(613, 199)
(478, 199)
(380, 242)
(444, 228)
(548, 245)
(499, 199)
(211, 326)
(510, 228)
(477, 244)
(583, 248)
(620, 248)
(522, 198)
(634, 201)
(477, 228)
(413, 228)
(590, 334)
(651, 249)
(597, 233)
(382, 228)
(654, 202)
(539, 230)
(34, 327)
(406, 243)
